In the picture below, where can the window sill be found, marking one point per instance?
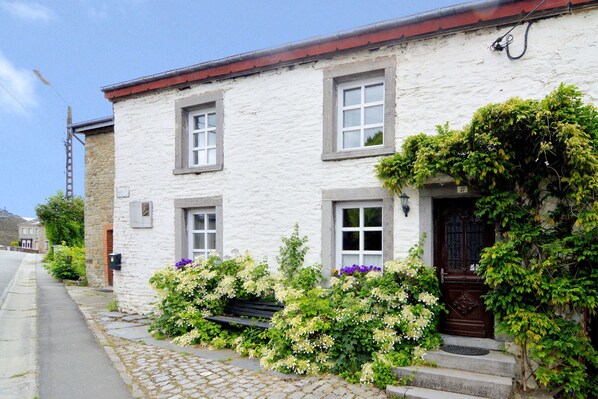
(360, 153)
(198, 170)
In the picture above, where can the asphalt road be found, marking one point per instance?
(9, 263)
(72, 364)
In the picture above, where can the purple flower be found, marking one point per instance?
(350, 270)
(182, 263)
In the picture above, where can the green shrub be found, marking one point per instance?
(68, 263)
(363, 325)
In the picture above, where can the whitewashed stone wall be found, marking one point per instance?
(273, 175)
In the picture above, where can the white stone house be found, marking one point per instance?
(229, 154)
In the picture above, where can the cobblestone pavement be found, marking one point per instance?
(160, 369)
(162, 373)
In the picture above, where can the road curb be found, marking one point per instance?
(136, 391)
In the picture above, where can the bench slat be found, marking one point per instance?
(238, 320)
(263, 310)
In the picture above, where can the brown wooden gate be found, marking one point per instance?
(459, 240)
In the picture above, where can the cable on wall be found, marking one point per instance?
(499, 45)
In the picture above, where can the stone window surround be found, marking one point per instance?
(329, 200)
(381, 66)
(182, 107)
(181, 205)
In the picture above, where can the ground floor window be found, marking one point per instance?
(359, 234)
(201, 232)
(198, 227)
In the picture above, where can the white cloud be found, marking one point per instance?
(17, 88)
(29, 11)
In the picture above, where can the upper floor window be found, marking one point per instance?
(359, 109)
(361, 114)
(202, 137)
(199, 141)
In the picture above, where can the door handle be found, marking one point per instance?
(442, 274)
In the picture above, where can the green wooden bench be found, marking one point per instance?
(241, 312)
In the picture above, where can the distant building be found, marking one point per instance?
(32, 235)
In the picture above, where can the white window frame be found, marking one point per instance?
(191, 231)
(339, 229)
(205, 146)
(361, 84)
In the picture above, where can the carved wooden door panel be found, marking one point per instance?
(459, 240)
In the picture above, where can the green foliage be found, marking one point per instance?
(14, 244)
(360, 327)
(202, 288)
(62, 219)
(292, 254)
(112, 306)
(68, 263)
(535, 164)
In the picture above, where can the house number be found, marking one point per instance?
(473, 267)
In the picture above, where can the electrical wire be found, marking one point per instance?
(15, 98)
(497, 44)
(510, 40)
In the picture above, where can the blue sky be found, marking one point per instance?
(81, 45)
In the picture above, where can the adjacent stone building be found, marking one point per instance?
(99, 197)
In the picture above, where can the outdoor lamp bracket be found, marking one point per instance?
(405, 203)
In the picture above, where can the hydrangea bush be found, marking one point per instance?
(360, 327)
(363, 324)
(192, 290)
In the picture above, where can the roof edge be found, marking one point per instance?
(453, 18)
(92, 125)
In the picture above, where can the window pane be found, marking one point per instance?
(374, 136)
(374, 93)
(352, 117)
(350, 241)
(195, 158)
(372, 260)
(201, 140)
(200, 122)
(198, 241)
(212, 138)
(199, 223)
(211, 221)
(211, 241)
(372, 240)
(212, 156)
(352, 96)
(201, 157)
(350, 260)
(373, 115)
(351, 139)
(195, 141)
(211, 120)
(351, 217)
(372, 217)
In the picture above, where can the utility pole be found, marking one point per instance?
(69, 154)
(68, 144)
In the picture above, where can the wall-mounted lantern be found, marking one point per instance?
(405, 203)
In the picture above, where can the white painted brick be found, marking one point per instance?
(273, 175)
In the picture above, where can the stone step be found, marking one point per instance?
(458, 381)
(484, 343)
(495, 363)
(424, 393)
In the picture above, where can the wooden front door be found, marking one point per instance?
(459, 240)
(108, 248)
